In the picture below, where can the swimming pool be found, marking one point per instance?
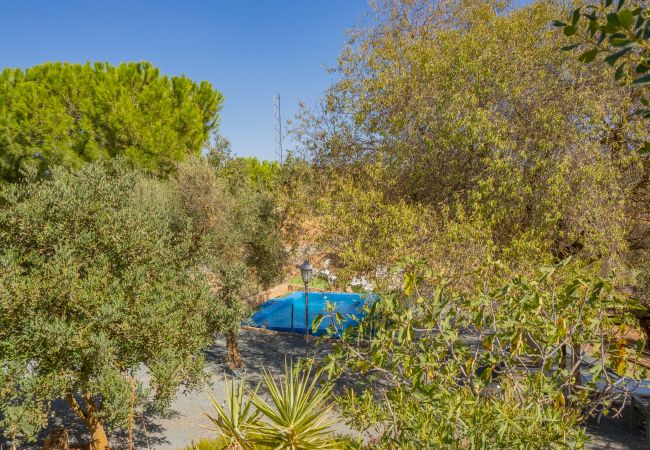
(288, 313)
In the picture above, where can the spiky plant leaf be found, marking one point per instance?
(236, 419)
(297, 413)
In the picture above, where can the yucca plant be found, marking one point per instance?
(236, 419)
(296, 417)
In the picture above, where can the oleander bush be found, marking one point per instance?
(432, 368)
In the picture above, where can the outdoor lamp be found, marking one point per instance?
(306, 271)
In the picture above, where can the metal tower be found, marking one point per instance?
(279, 152)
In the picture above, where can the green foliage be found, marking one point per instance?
(209, 444)
(67, 114)
(259, 175)
(295, 418)
(366, 230)
(620, 34)
(436, 369)
(234, 284)
(98, 279)
(236, 419)
(315, 283)
(284, 196)
(110, 265)
(269, 209)
(466, 114)
(235, 229)
(236, 232)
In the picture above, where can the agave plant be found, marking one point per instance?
(296, 417)
(236, 419)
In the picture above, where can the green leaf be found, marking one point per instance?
(611, 59)
(567, 48)
(645, 149)
(558, 23)
(409, 283)
(642, 81)
(588, 56)
(626, 18)
(575, 16)
(622, 42)
(592, 27)
(570, 30)
(316, 322)
(612, 23)
(620, 72)
(618, 35)
(642, 68)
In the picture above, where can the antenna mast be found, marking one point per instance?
(278, 128)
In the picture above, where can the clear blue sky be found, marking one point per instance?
(249, 50)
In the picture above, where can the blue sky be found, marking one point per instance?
(249, 50)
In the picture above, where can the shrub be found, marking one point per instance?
(295, 418)
(433, 368)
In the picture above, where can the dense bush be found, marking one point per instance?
(434, 369)
(467, 114)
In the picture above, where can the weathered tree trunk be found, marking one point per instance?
(99, 439)
(57, 440)
(98, 436)
(233, 358)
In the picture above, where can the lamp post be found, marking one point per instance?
(306, 271)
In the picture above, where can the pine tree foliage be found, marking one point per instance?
(68, 114)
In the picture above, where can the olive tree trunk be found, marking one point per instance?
(99, 439)
(233, 357)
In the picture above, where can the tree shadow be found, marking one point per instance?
(625, 432)
(146, 432)
(259, 351)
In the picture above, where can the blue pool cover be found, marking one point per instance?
(288, 313)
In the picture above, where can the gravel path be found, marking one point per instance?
(186, 420)
(259, 350)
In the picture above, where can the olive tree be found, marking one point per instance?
(98, 278)
(236, 231)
